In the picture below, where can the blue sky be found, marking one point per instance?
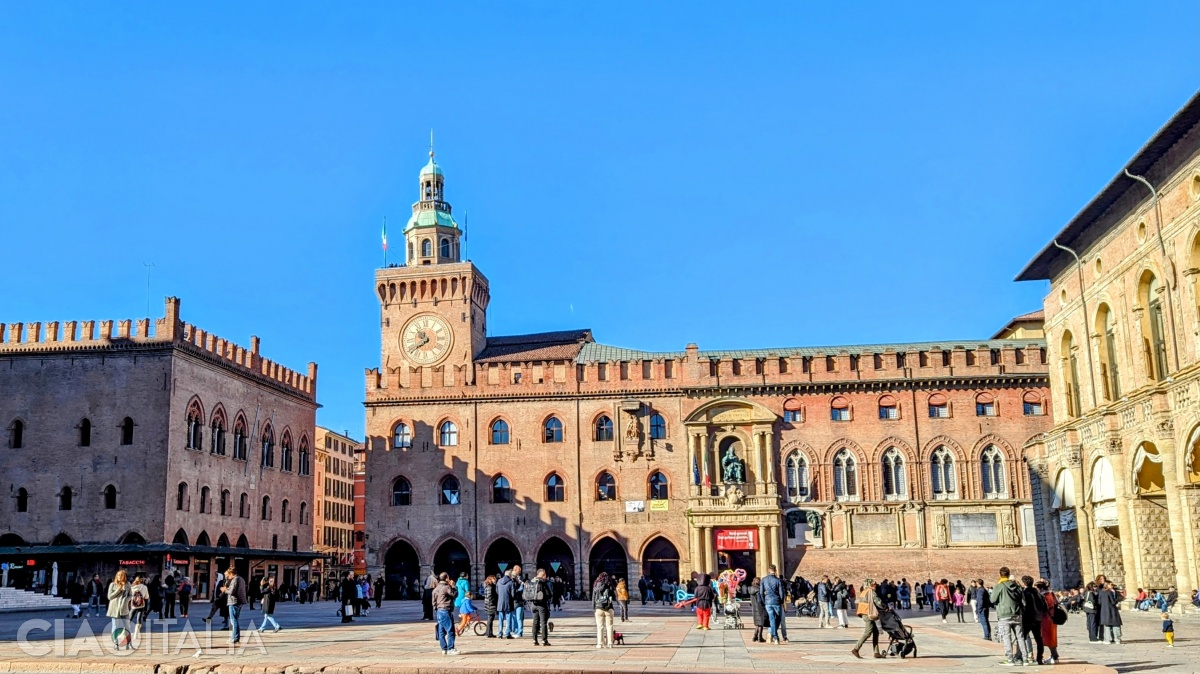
(735, 175)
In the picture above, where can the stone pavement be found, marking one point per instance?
(657, 639)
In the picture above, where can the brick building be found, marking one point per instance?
(334, 516)
(556, 450)
(154, 448)
(1121, 466)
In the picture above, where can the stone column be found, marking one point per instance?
(764, 553)
(1083, 531)
(1129, 539)
(777, 545)
(759, 478)
(1176, 513)
(706, 544)
(697, 550)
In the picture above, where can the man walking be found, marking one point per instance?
(870, 619)
(1007, 597)
(235, 597)
(443, 597)
(95, 589)
(537, 593)
(773, 597)
(825, 602)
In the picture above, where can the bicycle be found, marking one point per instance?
(475, 624)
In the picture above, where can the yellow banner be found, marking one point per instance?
(659, 506)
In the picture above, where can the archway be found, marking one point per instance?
(11, 541)
(203, 541)
(62, 539)
(660, 560)
(608, 556)
(501, 555)
(132, 538)
(401, 566)
(181, 538)
(452, 558)
(556, 558)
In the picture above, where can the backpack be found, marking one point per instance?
(941, 593)
(533, 591)
(138, 601)
(1059, 616)
(602, 598)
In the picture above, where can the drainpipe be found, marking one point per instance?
(1162, 247)
(1087, 330)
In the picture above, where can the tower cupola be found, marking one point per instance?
(432, 234)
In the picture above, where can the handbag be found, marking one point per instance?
(1058, 616)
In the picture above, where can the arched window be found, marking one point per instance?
(181, 497)
(1031, 404)
(499, 432)
(16, 434)
(401, 436)
(796, 476)
(284, 515)
(401, 492)
(195, 425)
(552, 430)
(204, 500)
(839, 409)
(555, 489)
(604, 429)
(992, 473)
(444, 248)
(449, 491)
(244, 506)
(22, 500)
(303, 513)
(606, 487)
(127, 431)
(426, 248)
(65, 498)
(448, 434)
(941, 474)
(1154, 334)
(226, 503)
(888, 408)
(218, 435)
(266, 508)
(939, 407)
(659, 488)
(893, 475)
(241, 448)
(985, 405)
(845, 477)
(286, 456)
(658, 427)
(501, 491)
(305, 464)
(268, 447)
(85, 433)
(110, 498)
(1106, 328)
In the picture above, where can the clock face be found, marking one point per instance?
(426, 339)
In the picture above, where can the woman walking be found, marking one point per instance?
(602, 604)
(185, 595)
(1049, 629)
(490, 600)
(760, 610)
(270, 595)
(140, 604)
(623, 599)
(1110, 613)
(119, 592)
(941, 594)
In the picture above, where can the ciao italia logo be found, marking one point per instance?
(42, 638)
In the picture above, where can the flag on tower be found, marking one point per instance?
(385, 233)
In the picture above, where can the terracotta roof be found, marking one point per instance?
(1038, 316)
(542, 346)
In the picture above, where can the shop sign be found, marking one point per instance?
(659, 505)
(132, 562)
(180, 562)
(737, 539)
(635, 506)
(31, 562)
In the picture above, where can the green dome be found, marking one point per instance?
(431, 168)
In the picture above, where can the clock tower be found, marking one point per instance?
(433, 308)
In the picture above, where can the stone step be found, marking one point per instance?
(12, 599)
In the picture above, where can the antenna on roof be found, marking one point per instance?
(466, 239)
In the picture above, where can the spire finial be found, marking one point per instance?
(431, 143)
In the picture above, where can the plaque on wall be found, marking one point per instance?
(974, 528)
(874, 529)
(1067, 520)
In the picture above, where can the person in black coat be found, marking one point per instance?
(1110, 612)
(760, 610)
(490, 601)
(349, 596)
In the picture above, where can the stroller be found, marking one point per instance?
(900, 638)
(733, 615)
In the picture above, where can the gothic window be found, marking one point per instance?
(286, 456)
(553, 430)
(22, 500)
(796, 476)
(241, 450)
(268, 447)
(266, 508)
(195, 424)
(449, 491)
(501, 490)
(499, 432)
(659, 488)
(127, 431)
(226, 503)
(181, 496)
(555, 489)
(893, 475)
(992, 473)
(218, 434)
(303, 513)
(658, 427)
(244, 507)
(283, 511)
(204, 499)
(401, 436)
(941, 474)
(448, 434)
(110, 498)
(606, 487)
(85, 433)
(401, 492)
(604, 429)
(845, 477)
(305, 465)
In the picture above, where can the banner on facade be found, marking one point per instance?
(1067, 521)
(659, 505)
(737, 539)
(1106, 514)
(635, 506)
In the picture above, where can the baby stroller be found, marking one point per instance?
(733, 615)
(806, 608)
(900, 638)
